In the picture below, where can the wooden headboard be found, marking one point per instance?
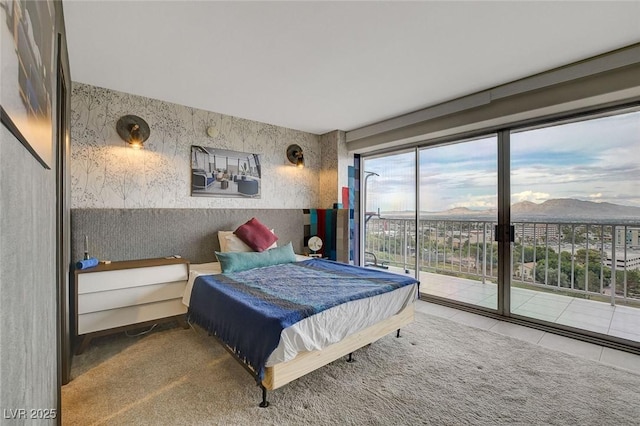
(127, 234)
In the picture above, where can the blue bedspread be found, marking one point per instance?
(248, 310)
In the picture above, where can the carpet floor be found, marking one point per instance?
(439, 372)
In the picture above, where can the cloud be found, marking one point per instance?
(593, 159)
(477, 202)
(534, 197)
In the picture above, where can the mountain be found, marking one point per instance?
(568, 208)
(556, 210)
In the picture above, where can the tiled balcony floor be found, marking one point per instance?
(552, 341)
(601, 317)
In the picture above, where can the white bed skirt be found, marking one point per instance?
(327, 327)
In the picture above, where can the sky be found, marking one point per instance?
(595, 160)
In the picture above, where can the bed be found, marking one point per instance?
(302, 334)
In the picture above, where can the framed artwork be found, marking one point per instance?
(223, 173)
(27, 40)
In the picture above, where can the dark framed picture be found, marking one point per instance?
(27, 40)
(223, 173)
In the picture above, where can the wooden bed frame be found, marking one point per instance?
(280, 374)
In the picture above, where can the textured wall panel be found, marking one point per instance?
(125, 234)
(27, 280)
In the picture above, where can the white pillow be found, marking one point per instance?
(229, 242)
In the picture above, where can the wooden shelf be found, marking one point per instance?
(131, 264)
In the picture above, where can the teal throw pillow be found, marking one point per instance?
(242, 261)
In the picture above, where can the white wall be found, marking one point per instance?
(105, 173)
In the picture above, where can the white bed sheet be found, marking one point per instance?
(327, 327)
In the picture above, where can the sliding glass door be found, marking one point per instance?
(458, 257)
(575, 208)
(452, 241)
(389, 191)
(565, 197)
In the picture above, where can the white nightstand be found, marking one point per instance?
(128, 294)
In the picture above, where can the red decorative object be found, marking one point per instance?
(345, 197)
(256, 235)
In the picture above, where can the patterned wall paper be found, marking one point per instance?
(328, 176)
(344, 159)
(105, 173)
(334, 167)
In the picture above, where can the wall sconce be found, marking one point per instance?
(133, 130)
(295, 156)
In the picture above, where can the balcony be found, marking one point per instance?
(562, 273)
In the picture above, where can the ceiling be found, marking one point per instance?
(322, 66)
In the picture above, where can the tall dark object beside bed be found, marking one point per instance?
(247, 311)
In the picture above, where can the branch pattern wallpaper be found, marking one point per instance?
(334, 167)
(106, 173)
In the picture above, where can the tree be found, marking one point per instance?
(573, 235)
(633, 283)
(594, 256)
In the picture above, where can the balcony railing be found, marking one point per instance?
(580, 258)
